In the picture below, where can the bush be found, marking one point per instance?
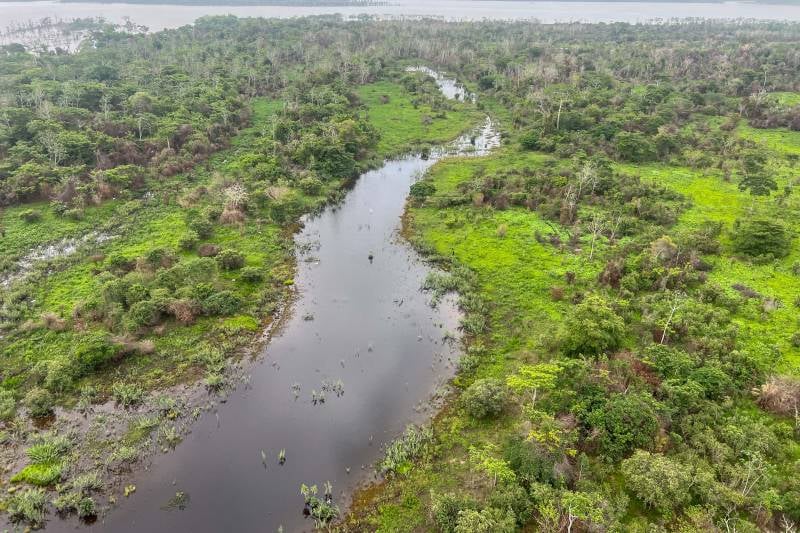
(8, 406)
(530, 140)
(30, 215)
(39, 402)
(592, 328)
(658, 481)
(310, 185)
(188, 241)
(127, 394)
(252, 274)
(489, 520)
(623, 423)
(144, 313)
(222, 303)
(202, 227)
(230, 259)
(484, 398)
(514, 497)
(445, 509)
(422, 189)
(27, 506)
(761, 239)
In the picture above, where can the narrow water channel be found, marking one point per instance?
(361, 333)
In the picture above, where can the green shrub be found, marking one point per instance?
(484, 398)
(222, 303)
(489, 520)
(592, 328)
(310, 185)
(422, 189)
(93, 350)
(204, 228)
(623, 423)
(514, 497)
(445, 509)
(127, 394)
(761, 238)
(30, 215)
(658, 481)
(144, 313)
(8, 405)
(39, 402)
(400, 454)
(230, 259)
(252, 274)
(27, 506)
(189, 240)
(530, 140)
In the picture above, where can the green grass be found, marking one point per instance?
(779, 140)
(786, 99)
(401, 124)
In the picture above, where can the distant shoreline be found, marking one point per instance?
(380, 3)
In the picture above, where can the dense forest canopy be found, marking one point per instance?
(632, 349)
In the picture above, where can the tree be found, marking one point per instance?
(660, 482)
(592, 328)
(484, 459)
(754, 175)
(623, 423)
(585, 506)
(489, 520)
(530, 378)
(761, 238)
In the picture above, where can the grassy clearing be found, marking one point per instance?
(402, 124)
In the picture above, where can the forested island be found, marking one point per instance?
(625, 262)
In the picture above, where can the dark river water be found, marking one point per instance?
(360, 331)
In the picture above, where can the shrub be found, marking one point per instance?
(189, 240)
(252, 274)
(230, 259)
(445, 509)
(761, 238)
(422, 189)
(204, 228)
(30, 215)
(402, 451)
(127, 394)
(144, 313)
(591, 329)
(93, 350)
(310, 185)
(623, 423)
(513, 497)
(484, 398)
(8, 406)
(27, 506)
(39, 402)
(222, 303)
(658, 481)
(530, 140)
(489, 520)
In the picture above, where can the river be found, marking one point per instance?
(157, 17)
(360, 331)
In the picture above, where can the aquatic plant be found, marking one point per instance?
(400, 453)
